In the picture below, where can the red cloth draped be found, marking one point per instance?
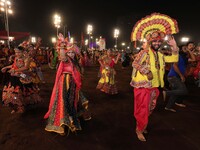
(76, 76)
(112, 63)
(144, 103)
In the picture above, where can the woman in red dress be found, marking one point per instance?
(65, 103)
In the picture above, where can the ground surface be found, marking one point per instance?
(112, 126)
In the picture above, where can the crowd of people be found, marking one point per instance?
(153, 68)
(21, 78)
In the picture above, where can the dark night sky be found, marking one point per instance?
(36, 16)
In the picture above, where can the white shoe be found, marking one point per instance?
(180, 105)
(170, 109)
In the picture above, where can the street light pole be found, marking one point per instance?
(7, 27)
(57, 31)
(6, 7)
(57, 21)
(64, 30)
(88, 40)
(116, 34)
(116, 42)
(89, 32)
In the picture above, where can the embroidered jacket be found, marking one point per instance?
(146, 61)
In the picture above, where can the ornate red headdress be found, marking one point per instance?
(153, 27)
(63, 43)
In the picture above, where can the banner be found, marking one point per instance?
(102, 43)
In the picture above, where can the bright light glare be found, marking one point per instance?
(53, 40)
(116, 33)
(89, 29)
(184, 39)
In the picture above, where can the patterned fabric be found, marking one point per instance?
(13, 92)
(17, 93)
(153, 23)
(65, 104)
(146, 62)
(107, 81)
(63, 111)
(34, 65)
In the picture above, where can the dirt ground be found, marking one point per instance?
(112, 126)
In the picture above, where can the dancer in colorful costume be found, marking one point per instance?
(65, 104)
(107, 82)
(149, 65)
(19, 90)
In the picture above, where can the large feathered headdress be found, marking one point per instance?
(63, 43)
(154, 26)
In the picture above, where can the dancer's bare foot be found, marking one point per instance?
(140, 136)
(13, 111)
